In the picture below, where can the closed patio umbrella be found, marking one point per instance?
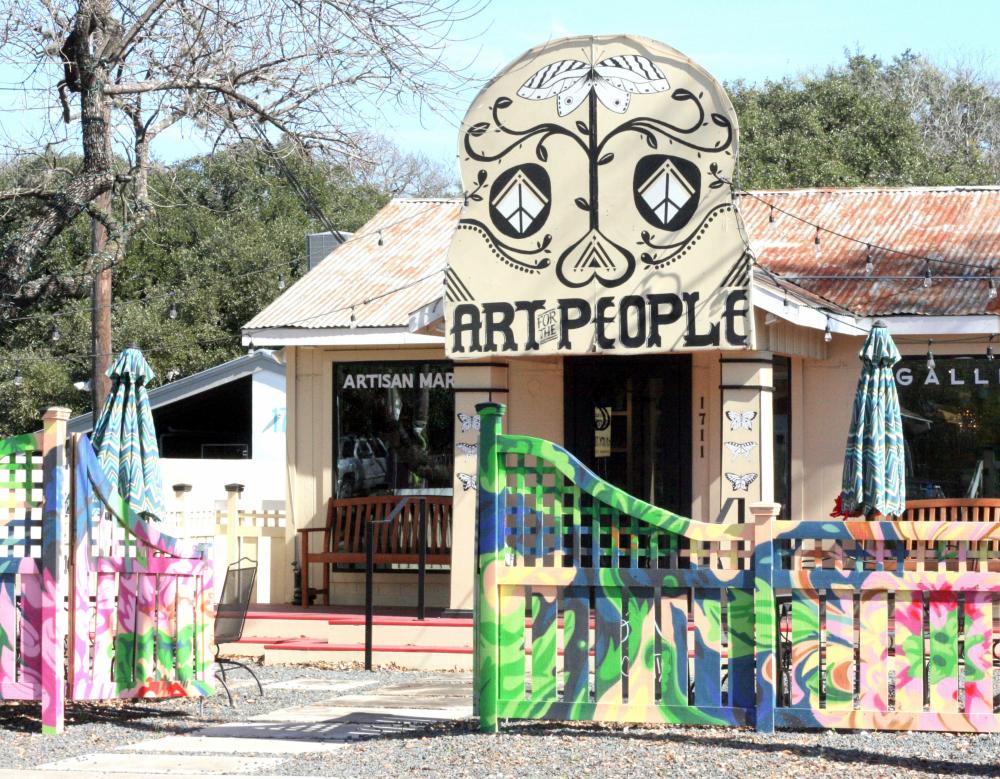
(874, 480)
(125, 438)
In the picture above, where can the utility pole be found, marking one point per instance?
(100, 296)
(100, 318)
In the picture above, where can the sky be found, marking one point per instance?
(751, 40)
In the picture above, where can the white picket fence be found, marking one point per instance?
(258, 532)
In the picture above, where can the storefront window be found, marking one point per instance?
(394, 427)
(951, 425)
(782, 409)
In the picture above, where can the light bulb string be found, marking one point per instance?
(871, 245)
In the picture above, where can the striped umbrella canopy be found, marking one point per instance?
(125, 438)
(874, 481)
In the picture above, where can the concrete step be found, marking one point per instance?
(399, 632)
(302, 624)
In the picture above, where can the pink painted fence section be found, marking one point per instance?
(20, 569)
(143, 608)
(890, 625)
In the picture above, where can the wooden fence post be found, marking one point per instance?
(233, 492)
(765, 636)
(490, 530)
(54, 555)
(180, 495)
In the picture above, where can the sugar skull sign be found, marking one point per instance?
(598, 212)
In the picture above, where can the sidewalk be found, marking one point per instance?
(260, 744)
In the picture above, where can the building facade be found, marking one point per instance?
(374, 405)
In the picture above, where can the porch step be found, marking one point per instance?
(403, 631)
(290, 624)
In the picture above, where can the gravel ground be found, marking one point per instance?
(518, 752)
(551, 750)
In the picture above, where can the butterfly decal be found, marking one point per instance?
(741, 420)
(469, 422)
(613, 81)
(468, 481)
(467, 449)
(740, 449)
(741, 481)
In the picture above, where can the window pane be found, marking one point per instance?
(782, 419)
(394, 427)
(951, 425)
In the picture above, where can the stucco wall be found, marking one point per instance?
(822, 398)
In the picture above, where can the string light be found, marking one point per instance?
(869, 261)
(18, 378)
(816, 243)
(877, 247)
(173, 310)
(770, 218)
(56, 335)
(380, 241)
(992, 293)
(250, 347)
(281, 282)
(354, 322)
(927, 275)
(828, 335)
(930, 356)
(989, 349)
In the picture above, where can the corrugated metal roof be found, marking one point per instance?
(397, 277)
(958, 223)
(961, 224)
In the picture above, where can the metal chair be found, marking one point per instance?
(231, 615)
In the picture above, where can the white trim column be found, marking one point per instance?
(474, 382)
(747, 429)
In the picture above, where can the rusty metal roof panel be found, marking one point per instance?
(385, 283)
(902, 226)
(389, 268)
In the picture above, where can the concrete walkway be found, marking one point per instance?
(256, 747)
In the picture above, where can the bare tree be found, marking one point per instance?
(400, 173)
(126, 71)
(956, 107)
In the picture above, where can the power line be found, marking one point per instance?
(228, 338)
(377, 233)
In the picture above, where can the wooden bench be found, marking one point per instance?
(397, 542)
(959, 510)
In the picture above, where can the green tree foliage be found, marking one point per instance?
(228, 229)
(869, 122)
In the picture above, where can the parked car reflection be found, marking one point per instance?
(362, 466)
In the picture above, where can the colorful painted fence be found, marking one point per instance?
(594, 605)
(135, 605)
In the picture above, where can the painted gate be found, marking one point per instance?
(135, 605)
(594, 605)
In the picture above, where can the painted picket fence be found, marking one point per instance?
(135, 605)
(891, 624)
(594, 605)
(142, 601)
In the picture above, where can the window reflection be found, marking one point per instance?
(394, 427)
(951, 426)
